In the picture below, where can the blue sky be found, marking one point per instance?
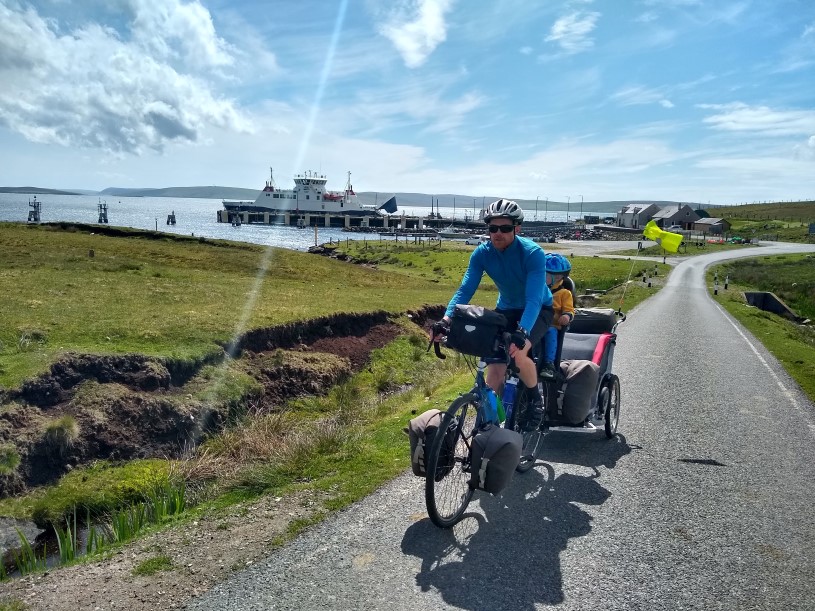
(687, 100)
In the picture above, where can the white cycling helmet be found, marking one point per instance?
(504, 209)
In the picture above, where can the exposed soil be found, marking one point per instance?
(132, 406)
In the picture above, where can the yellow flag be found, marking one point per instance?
(668, 240)
(651, 231)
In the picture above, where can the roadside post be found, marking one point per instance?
(716, 283)
(726, 281)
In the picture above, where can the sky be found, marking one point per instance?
(709, 101)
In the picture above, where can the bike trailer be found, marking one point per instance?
(495, 454)
(422, 431)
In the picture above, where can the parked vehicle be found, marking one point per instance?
(475, 240)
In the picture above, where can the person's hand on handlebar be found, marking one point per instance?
(440, 329)
(520, 343)
(564, 320)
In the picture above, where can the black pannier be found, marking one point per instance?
(422, 431)
(474, 330)
(495, 454)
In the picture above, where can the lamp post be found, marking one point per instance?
(581, 206)
(546, 210)
(568, 200)
(537, 197)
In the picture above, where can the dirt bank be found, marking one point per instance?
(125, 407)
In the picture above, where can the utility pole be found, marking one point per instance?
(546, 211)
(537, 197)
(581, 206)
(568, 201)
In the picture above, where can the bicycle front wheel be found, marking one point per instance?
(532, 440)
(447, 483)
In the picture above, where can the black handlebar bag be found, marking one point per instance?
(475, 330)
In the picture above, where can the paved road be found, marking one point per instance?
(704, 501)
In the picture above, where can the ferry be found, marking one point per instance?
(309, 196)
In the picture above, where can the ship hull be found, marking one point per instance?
(252, 207)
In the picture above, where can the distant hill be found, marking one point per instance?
(36, 191)
(212, 192)
(445, 200)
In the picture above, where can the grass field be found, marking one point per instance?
(786, 222)
(168, 298)
(791, 278)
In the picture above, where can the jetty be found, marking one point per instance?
(373, 223)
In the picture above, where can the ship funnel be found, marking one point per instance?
(389, 206)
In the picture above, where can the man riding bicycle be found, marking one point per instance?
(517, 266)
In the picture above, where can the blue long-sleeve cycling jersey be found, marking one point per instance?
(519, 272)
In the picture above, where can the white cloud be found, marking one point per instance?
(416, 28)
(171, 31)
(432, 104)
(639, 95)
(739, 117)
(646, 17)
(665, 103)
(90, 88)
(572, 31)
(525, 50)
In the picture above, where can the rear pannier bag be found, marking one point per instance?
(474, 330)
(579, 390)
(495, 454)
(422, 431)
(593, 320)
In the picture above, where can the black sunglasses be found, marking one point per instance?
(501, 228)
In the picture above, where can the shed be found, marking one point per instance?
(712, 225)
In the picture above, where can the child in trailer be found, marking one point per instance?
(557, 269)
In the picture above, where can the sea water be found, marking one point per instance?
(198, 217)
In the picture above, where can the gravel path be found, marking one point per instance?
(702, 502)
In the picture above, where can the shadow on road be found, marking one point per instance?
(509, 557)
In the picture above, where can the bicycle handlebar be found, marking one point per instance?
(506, 340)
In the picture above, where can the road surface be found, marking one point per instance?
(704, 501)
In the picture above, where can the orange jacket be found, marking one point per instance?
(562, 302)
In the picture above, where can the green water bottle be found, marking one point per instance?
(502, 415)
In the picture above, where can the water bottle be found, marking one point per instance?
(490, 405)
(502, 415)
(509, 396)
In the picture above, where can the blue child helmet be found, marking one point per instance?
(557, 263)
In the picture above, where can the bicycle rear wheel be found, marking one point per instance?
(532, 440)
(447, 484)
(612, 406)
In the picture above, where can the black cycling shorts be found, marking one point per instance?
(543, 322)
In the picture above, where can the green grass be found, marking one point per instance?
(100, 488)
(165, 297)
(791, 277)
(154, 565)
(13, 605)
